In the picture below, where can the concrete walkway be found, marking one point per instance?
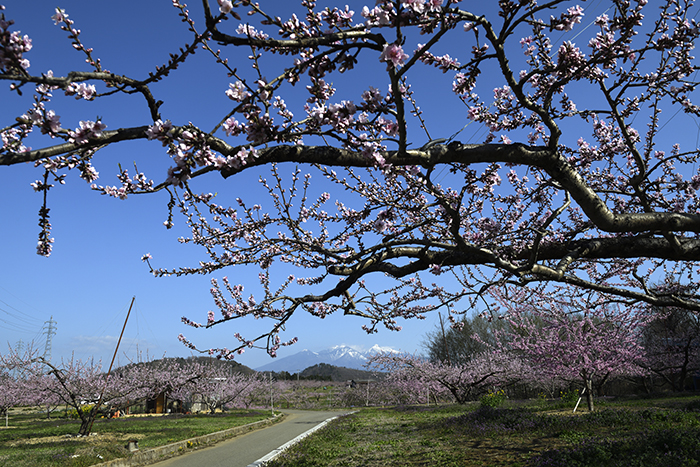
(245, 449)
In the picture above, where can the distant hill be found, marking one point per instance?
(322, 371)
(339, 356)
(230, 365)
(339, 373)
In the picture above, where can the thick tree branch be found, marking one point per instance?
(108, 137)
(535, 156)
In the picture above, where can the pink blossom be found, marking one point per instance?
(237, 91)
(602, 20)
(378, 16)
(225, 6)
(250, 31)
(528, 44)
(51, 124)
(393, 54)
(232, 127)
(161, 131)
(59, 16)
(434, 5)
(390, 127)
(567, 20)
(418, 6)
(81, 90)
(87, 130)
(406, 212)
(373, 97)
(12, 46)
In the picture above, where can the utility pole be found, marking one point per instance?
(96, 407)
(50, 331)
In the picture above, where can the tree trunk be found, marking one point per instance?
(87, 418)
(85, 425)
(589, 394)
(686, 362)
(601, 383)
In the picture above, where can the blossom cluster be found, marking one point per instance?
(568, 19)
(139, 183)
(444, 63)
(81, 90)
(394, 55)
(87, 130)
(13, 46)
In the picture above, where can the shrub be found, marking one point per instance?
(569, 397)
(493, 398)
(84, 409)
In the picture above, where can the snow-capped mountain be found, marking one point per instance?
(339, 355)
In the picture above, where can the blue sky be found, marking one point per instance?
(95, 269)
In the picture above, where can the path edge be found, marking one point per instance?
(272, 454)
(167, 451)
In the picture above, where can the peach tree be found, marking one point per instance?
(572, 177)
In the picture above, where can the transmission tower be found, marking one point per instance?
(49, 329)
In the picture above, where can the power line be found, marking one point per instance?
(18, 315)
(15, 320)
(10, 326)
(25, 315)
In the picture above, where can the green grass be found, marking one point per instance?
(33, 441)
(650, 432)
(632, 431)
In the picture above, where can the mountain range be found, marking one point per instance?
(339, 355)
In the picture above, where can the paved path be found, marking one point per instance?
(246, 449)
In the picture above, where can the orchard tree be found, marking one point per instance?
(20, 373)
(458, 344)
(671, 339)
(465, 381)
(217, 389)
(12, 394)
(573, 175)
(85, 388)
(672, 346)
(409, 379)
(561, 334)
(80, 385)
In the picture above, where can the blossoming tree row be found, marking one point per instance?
(30, 380)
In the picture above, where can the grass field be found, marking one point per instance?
(650, 432)
(33, 441)
(633, 432)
